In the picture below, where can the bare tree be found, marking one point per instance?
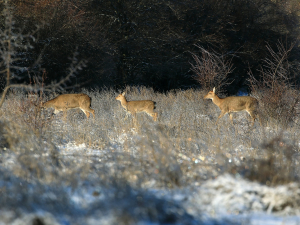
(275, 88)
(13, 45)
(211, 70)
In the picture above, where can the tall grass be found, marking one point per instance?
(184, 147)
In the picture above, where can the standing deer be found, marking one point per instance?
(134, 107)
(234, 104)
(70, 101)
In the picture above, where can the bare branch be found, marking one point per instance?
(275, 88)
(11, 42)
(211, 69)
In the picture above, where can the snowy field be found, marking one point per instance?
(182, 169)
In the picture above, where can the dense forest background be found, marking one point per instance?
(150, 43)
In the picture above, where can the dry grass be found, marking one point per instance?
(182, 148)
(45, 158)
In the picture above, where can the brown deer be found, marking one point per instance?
(70, 101)
(134, 107)
(234, 104)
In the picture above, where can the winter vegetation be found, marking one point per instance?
(182, 169)
(176, 166)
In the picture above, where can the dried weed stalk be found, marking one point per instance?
(211, 69)
(275, 88)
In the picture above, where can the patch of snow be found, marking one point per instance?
(205, 117)
(224, 200)
(233, 195)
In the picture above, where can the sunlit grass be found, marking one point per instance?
(182, 148)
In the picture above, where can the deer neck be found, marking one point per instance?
(124, 102)
(216, 100)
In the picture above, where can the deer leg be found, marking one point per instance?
(90, 110)
(253, 116)
(93, 112)
(230, 116)
(134, 118)
(152, 114)
(87, 114)
(65, 116)
(221, 115)
(133, 115)
(155, 116)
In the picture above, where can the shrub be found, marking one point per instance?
(211, 69)
(275, 89)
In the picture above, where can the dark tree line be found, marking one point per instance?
(130, 42)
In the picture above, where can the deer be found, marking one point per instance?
(134, 107)
(65, 102)
(234, 104)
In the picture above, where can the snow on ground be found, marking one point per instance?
(230, 196)
(224, 200)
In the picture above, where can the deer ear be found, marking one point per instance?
(123, 93)
(214, 90)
